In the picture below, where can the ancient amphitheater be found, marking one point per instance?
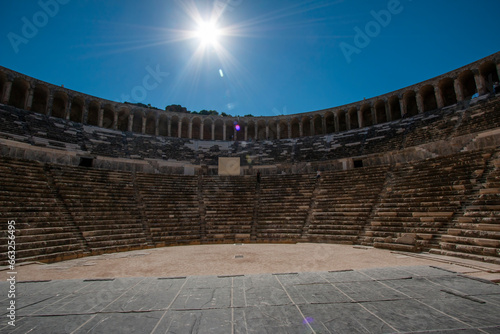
(415, 171)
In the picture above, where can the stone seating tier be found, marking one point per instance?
(421, 199)
(44, 229)
(447, 204)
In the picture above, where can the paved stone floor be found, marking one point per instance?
(255, 288)
(405, 299)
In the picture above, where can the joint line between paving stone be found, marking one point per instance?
(168, 307)
(361, 304)
(421, 302)
(294, 304)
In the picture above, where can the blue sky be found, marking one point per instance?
(272, 57)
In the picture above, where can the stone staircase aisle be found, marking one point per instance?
(44, 231)
(476, 233)
(422, 199)
(284, 204)
(343, 204)
(229, 208)
(171, 207)
(103, 206)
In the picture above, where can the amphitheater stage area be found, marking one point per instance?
(256, 288)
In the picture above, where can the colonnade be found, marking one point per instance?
(28, 93)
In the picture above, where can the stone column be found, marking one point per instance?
(439, 97)
(348, 120)
(323, 123)
(49, 103)
(278, 131)
(289, 125)
(336, 122)
(458, 90)
(360, 118)
(190, 129)
(480, 83)
(179, 128)
(374, 114)
(29, 100)
(224, 131)
(420, 102)
(115, 121)
(213, 130)
(100, 116)
(85, 112)
(301, 127)
(6, 92)
(388, 114)
(67, 109)
(402, 106)
(202, 130)
(267, 131)
(131, 121)
(256, 131)
(157, 126)
(143, 130)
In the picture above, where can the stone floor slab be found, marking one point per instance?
(404, 299)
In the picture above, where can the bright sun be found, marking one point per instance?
(208, 33)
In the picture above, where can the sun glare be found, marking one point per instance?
(208, 33)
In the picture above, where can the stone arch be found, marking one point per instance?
(219, 130)
(261, 130)
(353, 117)
(251, 130)
(447, 89)
(467, 84)
(380, 112)
(318, 125)
(59, 104)
(40, 98)
(395, 108)
(174, 126)
(428, 98)
(488, 72)
(151, 123)
(295, 127)
(196, 128)
(137, 121)
(207, 129)
(123, 119)
(93, 113)
(76, 111)
(163, 125)
(19, 93)
(283, 127)
(366, 114)
(342, 120)
(306, 126)
(108, 116)
(184, 127)
(330, 122)
(410, 99)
